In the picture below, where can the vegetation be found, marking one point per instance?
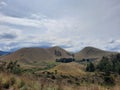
(62, 76)
(13, 67)
(90, 67)
(65, 60)
(110, 64)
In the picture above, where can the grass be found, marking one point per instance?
(28, 82)
(43, 66)
(55, 76)
(13, 82)
(72, 68)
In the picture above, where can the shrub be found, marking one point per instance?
(90, 67)
(70, 81)
(111, 64)
(56, 72)
(12, 81)
(77, 83)
(6, 84)
(13, 67)
(53, 77)
(109, 80)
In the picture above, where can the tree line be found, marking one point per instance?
(110, 64)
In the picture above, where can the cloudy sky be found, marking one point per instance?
(71, 24)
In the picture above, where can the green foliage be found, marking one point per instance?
(13, 67)
(65, 60)
(105, 65)
(90, 67)
(111, 64)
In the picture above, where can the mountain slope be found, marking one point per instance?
(34, 55)
(91, 52)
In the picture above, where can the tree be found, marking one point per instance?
(90, 67)
(105, 65)
(110, 64)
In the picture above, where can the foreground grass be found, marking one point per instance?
(62, 77)
(28, 82)
(12, 82)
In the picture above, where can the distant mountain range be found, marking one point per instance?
(35, 55)
(4, 53)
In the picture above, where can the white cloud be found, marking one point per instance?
(19, 21)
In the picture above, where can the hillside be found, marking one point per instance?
(91, 52)
(34, 55)
(73, 69)
(59, 52)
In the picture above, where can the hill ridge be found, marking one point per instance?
(92, 52)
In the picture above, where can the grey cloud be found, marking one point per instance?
(8, 36)
(66, 23)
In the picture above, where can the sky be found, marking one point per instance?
(70, 24)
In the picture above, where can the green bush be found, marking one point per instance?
(111, 64)
(90, 67)
(14, 68)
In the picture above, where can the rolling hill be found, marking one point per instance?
(34, 55)
(73, 69)
(91, 52)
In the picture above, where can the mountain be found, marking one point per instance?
(4, 53)
(34, 55)
(91, 52)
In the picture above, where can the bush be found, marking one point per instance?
(6, 84)
(70, 81)
(53, 77)
(12, 81)
(109, 80)
(90, 67)
(14, 68)
(111, 64)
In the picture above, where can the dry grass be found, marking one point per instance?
(72, 68)
(13, 82)
(28, 82)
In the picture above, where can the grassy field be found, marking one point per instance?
(28, 82)
(54, 76)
